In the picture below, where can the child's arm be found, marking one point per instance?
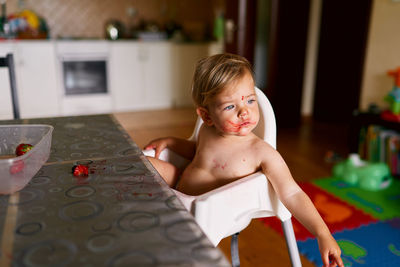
(183, 147)
(300, 205)
(303, 209)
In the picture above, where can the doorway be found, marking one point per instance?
(343, 40)
(240, 28)
(342, 44)
(283, 55)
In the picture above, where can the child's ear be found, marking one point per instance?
(204, 115)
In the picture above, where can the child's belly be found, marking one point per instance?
(196, 181)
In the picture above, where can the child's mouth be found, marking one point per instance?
(246, 123)
(235, 127)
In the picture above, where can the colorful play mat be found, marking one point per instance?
(366, 224)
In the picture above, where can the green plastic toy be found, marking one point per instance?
(366, 175)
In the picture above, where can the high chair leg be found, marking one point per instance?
(235, 250)
(291, 243)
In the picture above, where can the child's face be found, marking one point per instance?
(235, 110)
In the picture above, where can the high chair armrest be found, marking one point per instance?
(169, 156)
(230, 208)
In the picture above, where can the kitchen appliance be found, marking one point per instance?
(84, 77)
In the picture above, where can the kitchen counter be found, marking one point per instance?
(130, 67)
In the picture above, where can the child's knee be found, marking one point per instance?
(168, 171)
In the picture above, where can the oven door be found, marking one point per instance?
(85, 84)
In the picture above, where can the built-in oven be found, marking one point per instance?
(84, 77)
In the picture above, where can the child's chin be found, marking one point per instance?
(244, 132)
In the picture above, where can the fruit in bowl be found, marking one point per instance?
(22, 149)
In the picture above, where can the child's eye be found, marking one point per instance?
(229, 107)
(251, 101)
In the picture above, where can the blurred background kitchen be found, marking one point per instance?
(100, 56)
(314, 58)
(88, 18)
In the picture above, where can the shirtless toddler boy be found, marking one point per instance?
(227, 149)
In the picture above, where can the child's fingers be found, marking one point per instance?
(159, 149)
(149, 146)
(338, 260)
(157, 146)
(157, 154)
(332, 260)
(325, 260)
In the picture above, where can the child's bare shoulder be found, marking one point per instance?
(261, 145)
(264, 151)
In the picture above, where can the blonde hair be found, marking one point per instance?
(215, 73)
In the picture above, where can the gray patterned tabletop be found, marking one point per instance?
(85, 137)
(122, 214)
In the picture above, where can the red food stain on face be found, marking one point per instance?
(236, 127)
(232, 127)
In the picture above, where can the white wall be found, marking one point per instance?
(383, 52)
(310, 64)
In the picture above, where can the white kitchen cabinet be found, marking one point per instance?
(141, 75)
(126, 76)
(36, 79)
(5, 90)
(185, 59)
(156, 60)
(154, 75)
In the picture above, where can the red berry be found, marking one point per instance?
(17, 166)
(22, 149)
(80, 170)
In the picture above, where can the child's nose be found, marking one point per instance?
(243, 112)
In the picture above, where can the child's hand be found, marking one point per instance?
(330, 252)
(158, 145)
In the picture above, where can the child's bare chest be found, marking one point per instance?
(226, 162)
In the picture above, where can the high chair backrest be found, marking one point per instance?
(266, 128)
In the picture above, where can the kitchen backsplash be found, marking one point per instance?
(87, 18)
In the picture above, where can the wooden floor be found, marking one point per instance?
(304, 148)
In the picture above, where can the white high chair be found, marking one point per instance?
(229, 209)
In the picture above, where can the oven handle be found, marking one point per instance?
(83, 57)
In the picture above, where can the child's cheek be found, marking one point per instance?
(230, 127)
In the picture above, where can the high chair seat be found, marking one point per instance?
(229, 209)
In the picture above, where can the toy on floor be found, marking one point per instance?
(366, 175)
(393, 98)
